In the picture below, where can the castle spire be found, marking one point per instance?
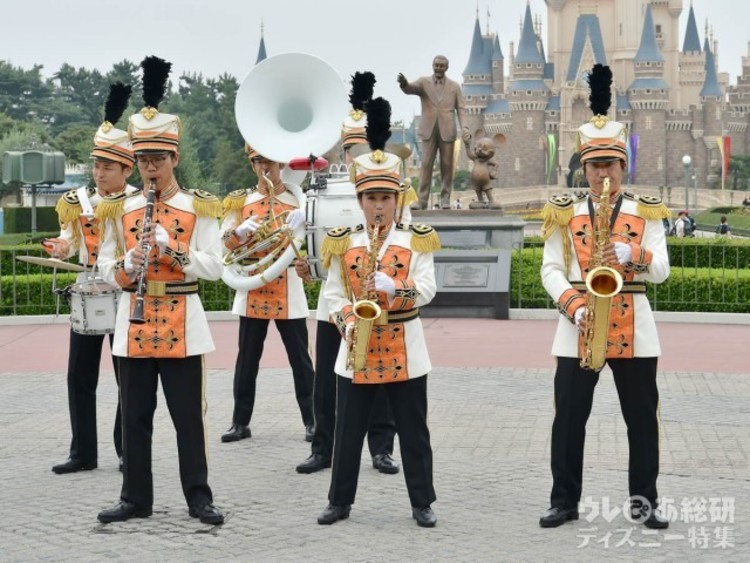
(649, 49)
(692, 43)
(527, 48)
(711, 85)
(479, 61)
(262, 47)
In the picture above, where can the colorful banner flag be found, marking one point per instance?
(632, 150)
(551, 154)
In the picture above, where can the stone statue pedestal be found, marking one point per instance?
(473, 268)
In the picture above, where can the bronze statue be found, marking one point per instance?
(483, 172)
(441, 97)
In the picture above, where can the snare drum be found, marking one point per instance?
(334, 206)
(93, 305)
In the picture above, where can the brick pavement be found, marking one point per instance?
(490, 433)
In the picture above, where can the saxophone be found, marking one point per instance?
(602, 284)
(366, 309)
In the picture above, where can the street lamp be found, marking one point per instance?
(686, 160)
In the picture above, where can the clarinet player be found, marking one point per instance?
(168, 246)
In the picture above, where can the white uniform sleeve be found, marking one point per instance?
(205, 250)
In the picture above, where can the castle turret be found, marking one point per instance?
(262, 47)
(712, 100)
(649, 99)
(692, 65)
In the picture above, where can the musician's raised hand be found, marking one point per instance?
(162, 238)
(295, 218)
(134, 259)
(383, 282)
(247, 227)
(56, 247)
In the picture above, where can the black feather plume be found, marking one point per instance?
(117, 101)
(362, 88)
(155, 75)
(600, 82)
(378, 127)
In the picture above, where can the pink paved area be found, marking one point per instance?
(686, 347)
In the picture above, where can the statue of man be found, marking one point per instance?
(441, 97)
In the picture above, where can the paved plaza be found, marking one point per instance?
(490, 431)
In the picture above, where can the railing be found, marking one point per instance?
(704, 278)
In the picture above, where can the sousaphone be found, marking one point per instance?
(288, 106)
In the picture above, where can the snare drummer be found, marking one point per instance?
(282, 300)
(112, 164)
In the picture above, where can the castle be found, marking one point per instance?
(672, 100)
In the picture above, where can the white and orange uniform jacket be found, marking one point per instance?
(78, 225)
(283, 298)
(176, 325)
(567, 253)
(398, 350)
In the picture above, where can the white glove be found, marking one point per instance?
(578, 316)
(162, 238)
(247, 227)
(624, 253)
(385, 283)
(295, 219)
(129, 267)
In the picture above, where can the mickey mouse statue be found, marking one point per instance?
(483, 172)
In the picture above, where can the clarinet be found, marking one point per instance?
(140, 293)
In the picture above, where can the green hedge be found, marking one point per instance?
(686, 289)
(18, 219)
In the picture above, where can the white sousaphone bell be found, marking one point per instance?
(288, 106)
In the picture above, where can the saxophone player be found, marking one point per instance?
(634, 245)
(390, 268)
(185, 246)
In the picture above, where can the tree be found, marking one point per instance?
(76, 141)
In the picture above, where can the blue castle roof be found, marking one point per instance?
(649, 50)
(479, 58)
(586, 26)
(711, 85)
(528, 53)
(692, 42)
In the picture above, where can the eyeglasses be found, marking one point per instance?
(156, 160)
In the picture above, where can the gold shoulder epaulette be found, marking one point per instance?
(206, 204)
(557, 213)
(424, 238)
(234, 201)
(111, 206)
(408, 196)
(336, 242)
(652, 208)
(68, 208)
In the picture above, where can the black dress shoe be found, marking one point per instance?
(207, 513)
(425, 517)
(333, 513)
(385, 464)
(557, 516)
(309, 433)
(71, 465)
(235, 433)
(656, 521)
(314, 463)
(124, 511)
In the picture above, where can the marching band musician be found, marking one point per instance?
(381, 428)
(113, 160)
(395, 263)
(183, 244)
(282, 300)
(637, 250)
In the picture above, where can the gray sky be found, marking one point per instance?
(216, 36)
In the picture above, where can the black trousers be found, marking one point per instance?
(252, 337)
(381, 427)
(635, 380)
(409, 402)
(84, 356)
(183, 381)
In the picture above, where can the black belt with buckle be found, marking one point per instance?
(402, 316)
(156, 288)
